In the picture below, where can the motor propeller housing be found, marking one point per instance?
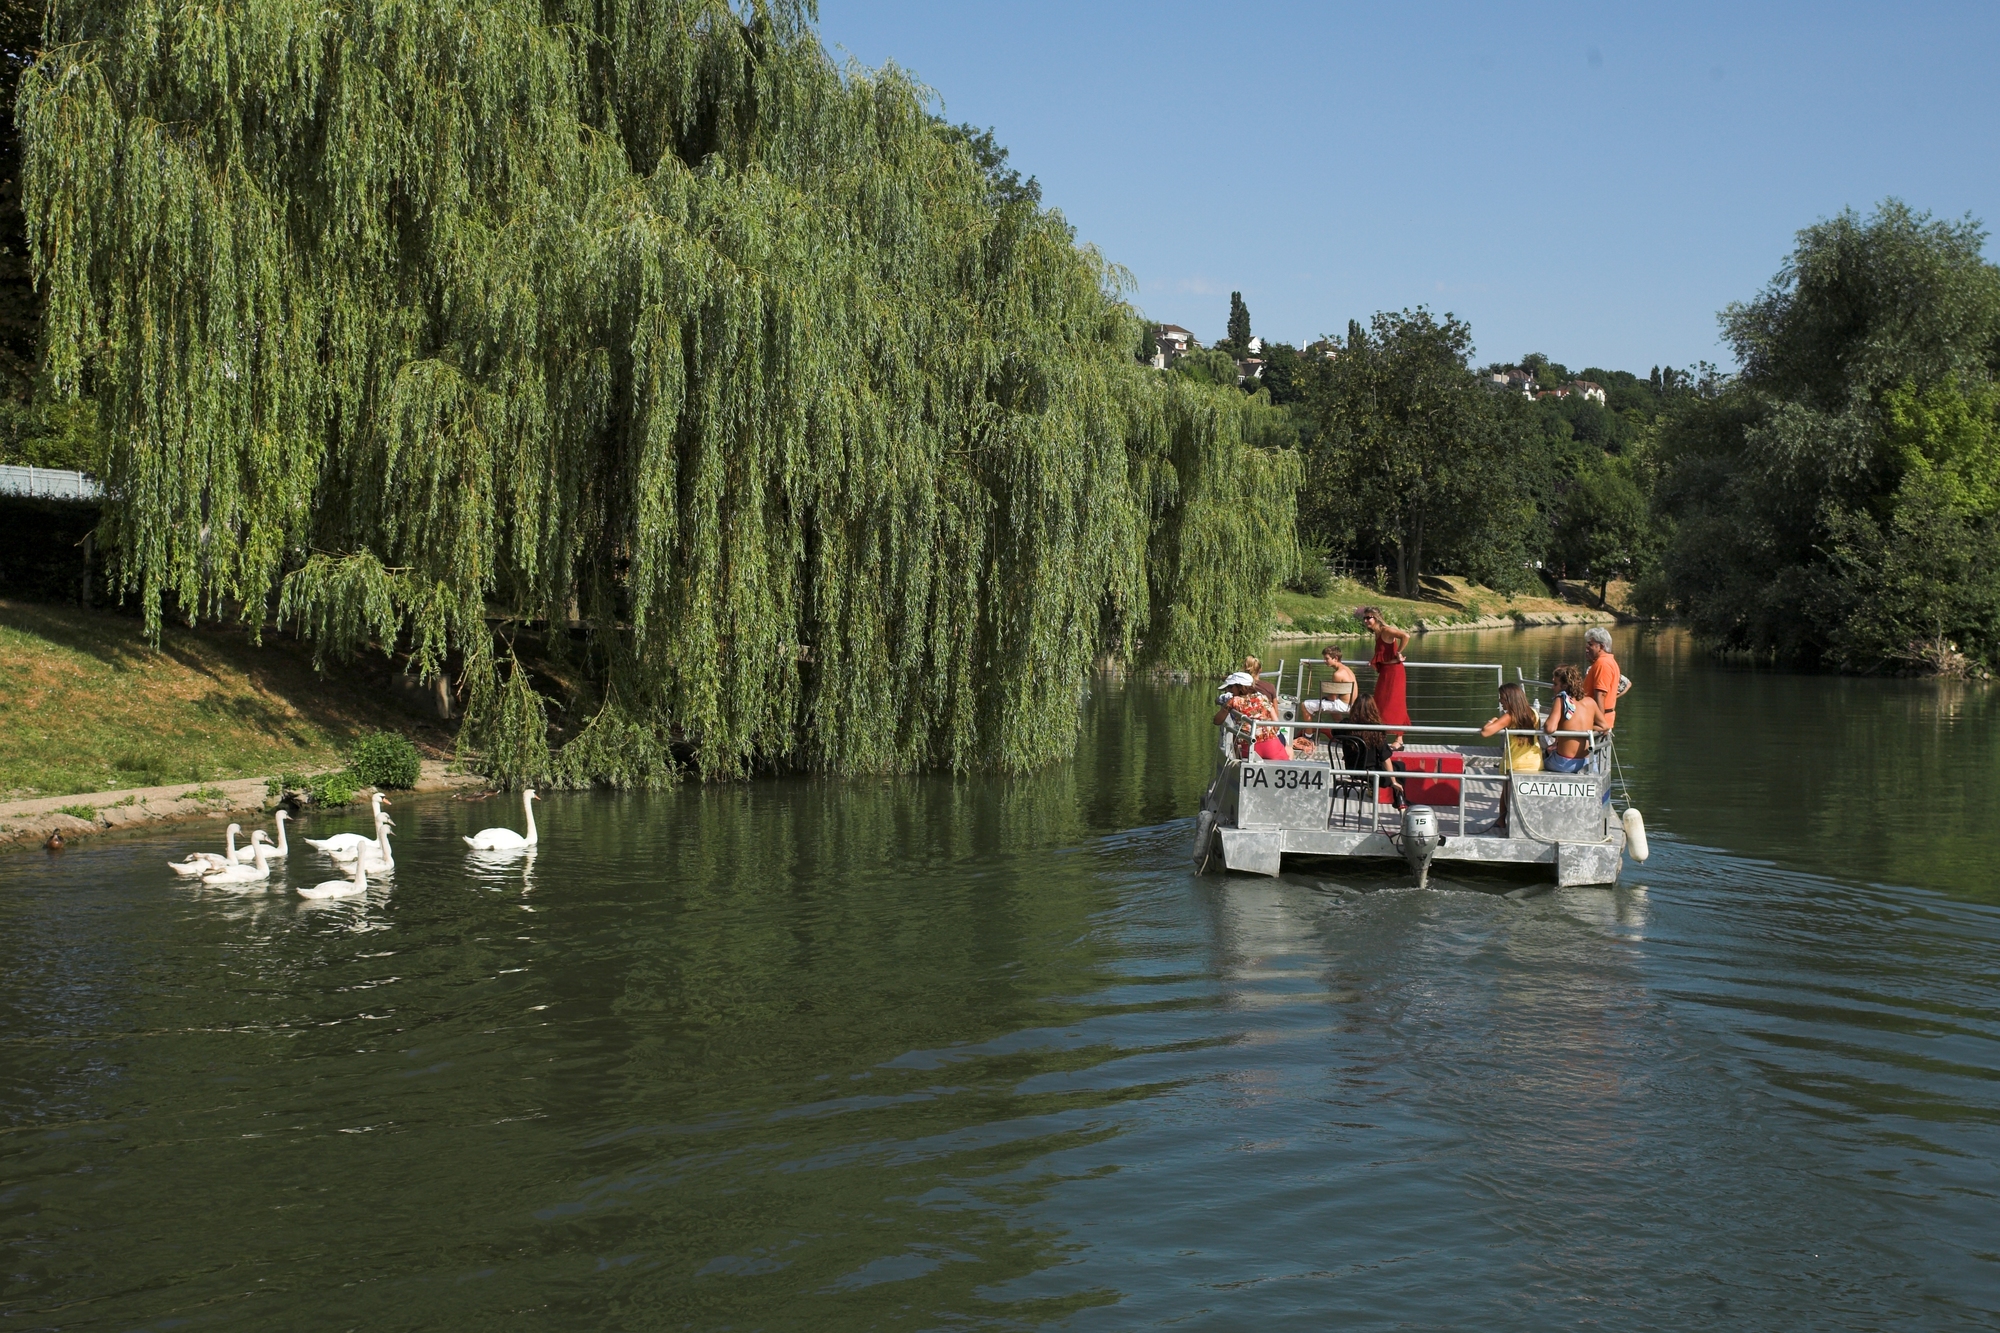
(1420, 840)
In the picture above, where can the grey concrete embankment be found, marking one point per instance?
(29, 823)
(1516, 620)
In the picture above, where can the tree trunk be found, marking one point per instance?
(1410, 561)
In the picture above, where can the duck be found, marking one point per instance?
(347, 841)
(54, 843)
(338, 888)
(375, 855)
(272, 852)
(230, 877)
(196, 864)
(506, 839)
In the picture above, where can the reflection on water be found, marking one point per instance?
(933, 1053)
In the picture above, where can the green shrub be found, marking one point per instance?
(83, 812)
(336, 788)
(386, 760)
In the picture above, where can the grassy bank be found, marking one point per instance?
(87, 705)
(1446, 601)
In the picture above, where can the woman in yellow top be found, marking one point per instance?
(1522, 754)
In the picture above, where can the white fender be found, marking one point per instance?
(1635, 833)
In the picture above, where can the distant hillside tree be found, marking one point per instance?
(1239, 326)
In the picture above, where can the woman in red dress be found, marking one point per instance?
(1391, 681)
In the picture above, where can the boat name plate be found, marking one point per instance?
(1581, 791)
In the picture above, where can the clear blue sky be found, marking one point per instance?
(1593, 182)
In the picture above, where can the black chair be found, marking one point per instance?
(1351, 785)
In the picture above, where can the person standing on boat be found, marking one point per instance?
(1602, 682)
(1574, 711)
(1391, 681)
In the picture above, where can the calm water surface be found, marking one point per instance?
(923, 1054)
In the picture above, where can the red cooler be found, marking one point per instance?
(1429, 791)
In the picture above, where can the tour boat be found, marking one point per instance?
(1259, 814)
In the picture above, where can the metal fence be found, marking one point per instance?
(47, 483)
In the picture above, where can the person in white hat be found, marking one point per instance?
(1241, 696)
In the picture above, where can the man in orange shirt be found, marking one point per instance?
(1602, 681)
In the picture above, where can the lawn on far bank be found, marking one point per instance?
(1446, 600)
(87, 705)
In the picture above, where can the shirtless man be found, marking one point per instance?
(1602, 682)
(1338, 689)
(1574, 711)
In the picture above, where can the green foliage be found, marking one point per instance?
(87, 813)
(1912, 587)
(1220, 515)
(1284, 374)
(20, 307)
(47, 431)
(1411, 455)
(334, 788)
(1004, 185)
(505, 734)
(1149, 344)
(385, 760)
(1313, 577)
(1238, 341)
(1836, 503)
(1213, 366)
(1603, 524)
(1861, 306)
(208, 794)
(433, 322)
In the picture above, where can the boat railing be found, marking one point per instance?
(1307, 665)
(1239, 730)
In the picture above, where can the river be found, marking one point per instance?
(933, 1054)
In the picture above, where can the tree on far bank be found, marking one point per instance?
(1603, 525)
(1412, 455)
(1834, 502)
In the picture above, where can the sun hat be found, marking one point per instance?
(1234, 678)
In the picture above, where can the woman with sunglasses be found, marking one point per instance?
(1391, 681)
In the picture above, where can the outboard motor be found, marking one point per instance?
(1420, 840)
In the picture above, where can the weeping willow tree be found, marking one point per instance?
(642, 326)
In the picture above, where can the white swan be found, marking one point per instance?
(338, 888)
(231, 876)
(348, 841)
(274, 853)
(375, 855)
(196, 864)
(505, 839)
